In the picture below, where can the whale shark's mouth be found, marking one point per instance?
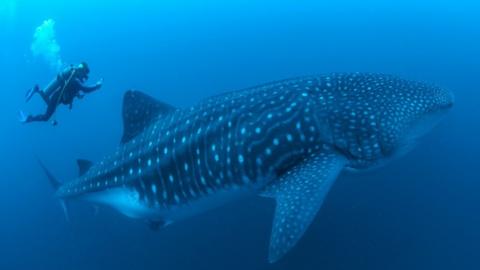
(443, 101)
(448, 105)
(419, 128)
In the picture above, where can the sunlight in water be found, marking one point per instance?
(7, 10)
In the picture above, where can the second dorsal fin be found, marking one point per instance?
(138, 111)
(83, 166)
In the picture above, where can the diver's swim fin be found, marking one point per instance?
(31, 92)
(22, 117)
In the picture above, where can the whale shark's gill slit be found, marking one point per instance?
(157, 179)
(201, 169)
(203, 151)
(194, 174)
(175, 171)
(236, 149)
(182, 167)
(150, 189)
(220, 155)
(168, 193)
(183, 179)
(208, 175)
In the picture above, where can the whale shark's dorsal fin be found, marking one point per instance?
(299, 194)
(138, 111)
(83, 166)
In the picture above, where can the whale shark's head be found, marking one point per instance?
(425, 107)
(376, 117)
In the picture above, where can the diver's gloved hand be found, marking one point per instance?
(99, 83)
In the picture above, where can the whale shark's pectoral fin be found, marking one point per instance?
(299, 194)
(138, 112)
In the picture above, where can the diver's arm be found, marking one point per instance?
(89, 89)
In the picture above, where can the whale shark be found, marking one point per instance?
(286, 140)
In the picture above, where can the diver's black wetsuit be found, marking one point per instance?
(62, 90)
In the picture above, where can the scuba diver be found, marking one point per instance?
(68, 85)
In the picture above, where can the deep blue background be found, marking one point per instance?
(422, 211)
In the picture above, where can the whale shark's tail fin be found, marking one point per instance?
(53, 181)
(55, 184)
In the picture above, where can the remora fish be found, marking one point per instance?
(287, 140)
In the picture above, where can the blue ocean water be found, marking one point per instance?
(421, 211)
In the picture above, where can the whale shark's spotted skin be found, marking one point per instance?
(287, 140)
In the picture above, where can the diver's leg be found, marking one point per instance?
(47, 93)
(50, 90)
(52, 106)
(44, 97)
(37, 90)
